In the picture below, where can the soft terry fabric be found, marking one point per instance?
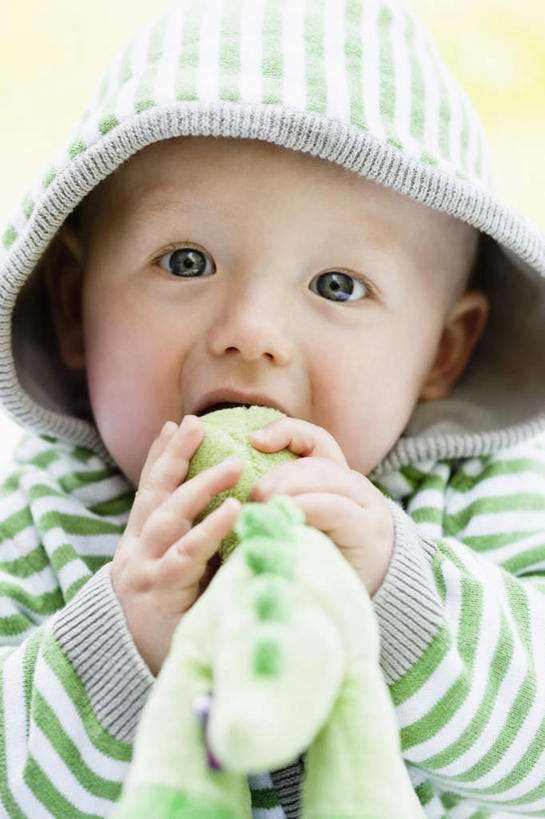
(461, 615)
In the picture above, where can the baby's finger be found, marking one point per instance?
(300, 437)
(156, 449)
(141, 505)
(170, 521)
(364, 537)
(337, 516)
(164, 470)
(170, 468)
(185, 561)
(315, 475)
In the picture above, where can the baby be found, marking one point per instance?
(210, 270)
(324, 262)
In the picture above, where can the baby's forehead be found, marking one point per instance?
(185, 159)
(230, 171)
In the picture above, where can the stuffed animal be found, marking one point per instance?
(278, 656)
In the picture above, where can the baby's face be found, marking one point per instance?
(217, 263)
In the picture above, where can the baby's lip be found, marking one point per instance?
(236, 396)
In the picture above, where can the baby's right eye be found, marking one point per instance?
(186, 262)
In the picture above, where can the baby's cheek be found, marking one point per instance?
(127, 430)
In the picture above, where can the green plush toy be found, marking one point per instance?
(282, 653)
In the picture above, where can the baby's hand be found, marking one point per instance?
(339, 501)
(161, 559)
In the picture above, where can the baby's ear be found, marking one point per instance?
(463, 329)
(62, 268)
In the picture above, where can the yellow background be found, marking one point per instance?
(53, 52)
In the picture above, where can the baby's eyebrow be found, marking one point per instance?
(146, 206)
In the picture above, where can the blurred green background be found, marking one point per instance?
(53, 52)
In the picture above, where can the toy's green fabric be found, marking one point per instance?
(281, 653)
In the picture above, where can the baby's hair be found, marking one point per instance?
(80, 219)
(475, 277)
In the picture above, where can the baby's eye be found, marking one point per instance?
(190, 262)
(187, 262)
(340, 285)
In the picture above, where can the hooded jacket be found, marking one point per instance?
(461, 608)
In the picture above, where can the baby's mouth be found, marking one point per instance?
(222, 405)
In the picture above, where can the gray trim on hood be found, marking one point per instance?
(500, 399)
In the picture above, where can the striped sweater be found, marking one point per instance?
(461, 614)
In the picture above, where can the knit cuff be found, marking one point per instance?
(407, 605)
(93, 634)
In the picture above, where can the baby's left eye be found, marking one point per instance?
(187, 261)
(340, 285)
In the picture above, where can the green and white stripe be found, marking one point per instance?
(471, 709)
(461, 615)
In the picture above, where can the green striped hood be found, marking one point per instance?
(357, 82)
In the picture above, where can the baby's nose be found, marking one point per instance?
(253, 333)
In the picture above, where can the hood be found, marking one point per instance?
(294, 76)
